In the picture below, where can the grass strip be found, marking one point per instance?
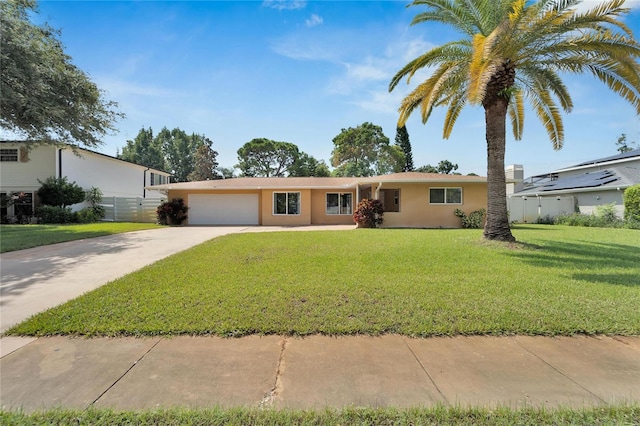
(559, 281)
(606, 415)
(20, 237)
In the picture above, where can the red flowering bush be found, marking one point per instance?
(172, 212)
(368, 213)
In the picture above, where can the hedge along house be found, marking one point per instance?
(418, 200)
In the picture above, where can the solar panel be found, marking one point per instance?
(587, 180)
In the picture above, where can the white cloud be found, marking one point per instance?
(285, 4)
(590, 4)
(314, 20)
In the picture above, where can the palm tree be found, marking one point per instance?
(512, 51)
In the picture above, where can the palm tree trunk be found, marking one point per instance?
(497, 224)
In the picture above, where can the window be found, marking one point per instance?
(286, 203)
(339, 203)
(445, 195)
(157, 179)
(8, 154)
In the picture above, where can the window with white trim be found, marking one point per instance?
(9, 154)
(286, 203)
(339, 203)
(445, 195)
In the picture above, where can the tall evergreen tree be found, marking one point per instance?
(402, 140)
(206, 163)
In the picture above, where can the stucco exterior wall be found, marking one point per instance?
(319, 214)
(270, 219)
(23, 175)
(589, 201)
(115, 178)
(416, 211)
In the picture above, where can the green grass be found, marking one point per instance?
(559, 281)
(19, 237)
(609, 415)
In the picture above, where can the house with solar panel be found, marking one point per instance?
(580, 188)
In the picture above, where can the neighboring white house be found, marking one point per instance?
(21, 169)
(582, 188)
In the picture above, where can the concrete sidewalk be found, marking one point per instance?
(319, 371)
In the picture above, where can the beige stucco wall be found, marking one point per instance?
(319, 214)
(415, 210)
(269, 219)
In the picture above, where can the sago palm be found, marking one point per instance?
(515, 51)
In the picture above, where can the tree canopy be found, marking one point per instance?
(512, 51)
(263, 157)
(444, 167)
(365, 151)
(144, 150)
(187, 157)
(45, 98)
(624, 145)
(306, 165)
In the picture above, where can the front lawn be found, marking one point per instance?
(19, 237)
(559, 281)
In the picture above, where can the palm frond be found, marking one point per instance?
(516, 113)
(458, 50)
(446, 12)
(549, 115)
(421, 95)
(456, 103)
(548, 78)
(481, 69)
(618, 84)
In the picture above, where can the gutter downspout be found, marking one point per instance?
(60, 163)
(144, 183)
(377, 193)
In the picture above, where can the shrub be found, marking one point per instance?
(59, 192)
(607, 214)
(475, 219)
(55, 214)
(604, 217)
(93, 197)
(90, 214)
(172, 212)
(369, 213)
(631, 197)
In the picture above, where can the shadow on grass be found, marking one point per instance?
(585, 261)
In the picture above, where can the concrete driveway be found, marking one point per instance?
(36, 279)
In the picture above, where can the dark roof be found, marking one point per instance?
(587, 180)
(630, 154)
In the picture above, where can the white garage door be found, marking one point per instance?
(223, 209)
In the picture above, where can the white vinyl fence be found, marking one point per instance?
(530, 209)
(121, 209)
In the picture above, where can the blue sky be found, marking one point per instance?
(300, 71)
